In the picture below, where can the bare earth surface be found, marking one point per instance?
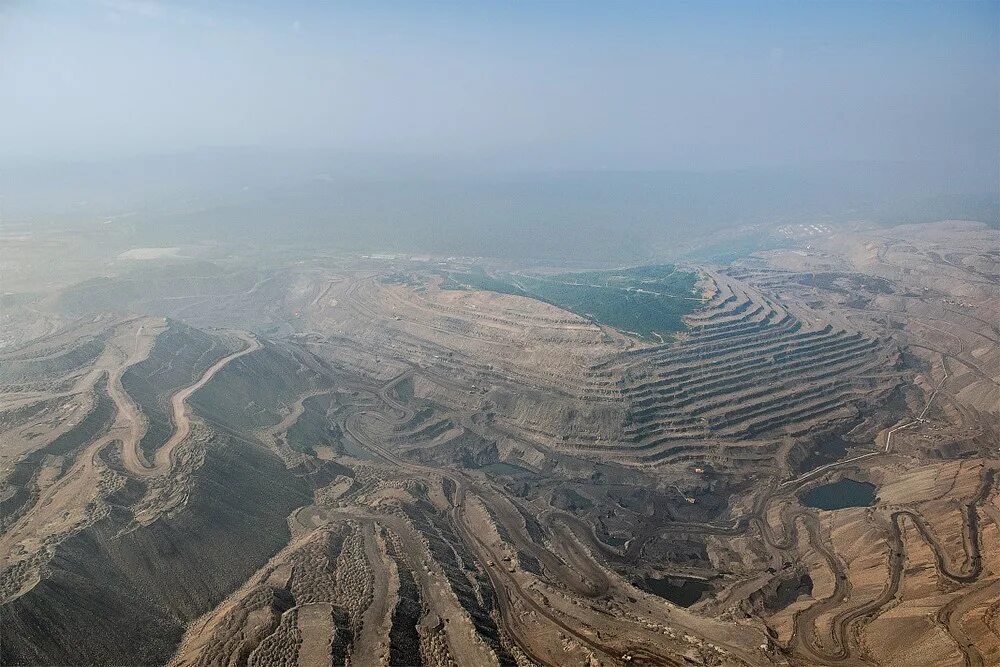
(342, 461)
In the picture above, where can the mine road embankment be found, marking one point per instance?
(62, 506)
(131, 456)
(511, 594)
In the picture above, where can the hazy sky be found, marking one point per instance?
(563, 84)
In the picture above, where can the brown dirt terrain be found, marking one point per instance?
(362, 468)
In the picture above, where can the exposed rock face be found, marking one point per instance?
(120, 593)
(383, 471)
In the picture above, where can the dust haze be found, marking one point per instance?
(493, 334)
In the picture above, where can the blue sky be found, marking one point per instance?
(557, 84)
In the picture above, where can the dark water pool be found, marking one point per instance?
(683, 592)
(840, 495)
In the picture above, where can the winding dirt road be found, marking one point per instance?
(132, 457)
(59, 507)
(512, 597)
(804, 638)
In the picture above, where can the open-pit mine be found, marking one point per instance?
(358, 460)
